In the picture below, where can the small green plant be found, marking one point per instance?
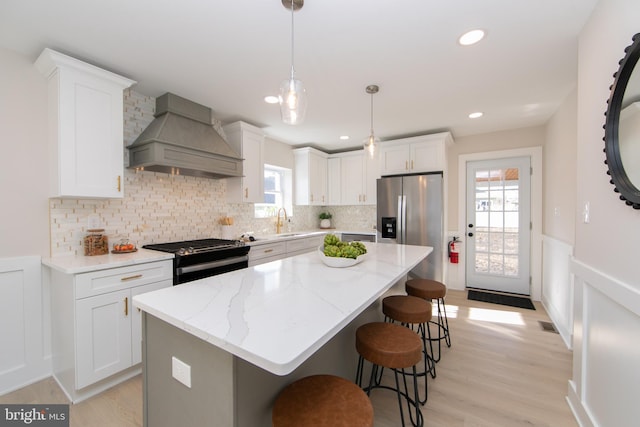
(324, 215)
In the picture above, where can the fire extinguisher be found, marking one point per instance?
(453, 250)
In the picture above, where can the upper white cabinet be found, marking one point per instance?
(310, 176)
(358, 174)
(334, 181)
(85, 127)
(248, 141)
(424, 153)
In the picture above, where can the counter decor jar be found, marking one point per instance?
(96, 242)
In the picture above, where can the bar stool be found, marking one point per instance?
(392, 346)
(322, 401)
(433, 290)
(413, 312)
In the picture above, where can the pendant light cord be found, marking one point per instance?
(372, 114)
(292, 40)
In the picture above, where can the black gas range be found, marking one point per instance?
(197, 259)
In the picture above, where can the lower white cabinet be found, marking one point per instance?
(96, 331)
(273, 251)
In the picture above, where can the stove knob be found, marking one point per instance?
(190, 250)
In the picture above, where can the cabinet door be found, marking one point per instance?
(249, 142)
(318, 179)
(352, 173)
(136, 319)
(371, 174)
(334, 180)
(103, 336)
(90, 136)
(427, 157)
(394, 159)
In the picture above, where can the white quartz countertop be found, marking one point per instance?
(277, 314)
(73, 264)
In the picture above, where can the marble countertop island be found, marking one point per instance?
(276, 315)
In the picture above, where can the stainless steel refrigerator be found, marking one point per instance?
(410, 211)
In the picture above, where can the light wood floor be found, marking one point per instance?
(502, 370)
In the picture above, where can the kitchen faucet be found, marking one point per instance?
(279, 223)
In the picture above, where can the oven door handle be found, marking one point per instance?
(212, 264)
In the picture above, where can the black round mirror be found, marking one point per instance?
(622, 128)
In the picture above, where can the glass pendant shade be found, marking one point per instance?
(293, 101)
(371, 145)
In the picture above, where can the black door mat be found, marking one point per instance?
(510, 300)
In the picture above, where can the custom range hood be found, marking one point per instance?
(182, 141)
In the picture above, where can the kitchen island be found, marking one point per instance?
(235, 340)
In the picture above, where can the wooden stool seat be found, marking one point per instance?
(414, 313)
(433, 290)
(322, 401)
(388, 345)
(425, 288)
(406, 309)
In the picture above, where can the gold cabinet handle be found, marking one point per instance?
(411, 164)
(126, 306)
(246, 193)
(124, 279)
(406, 165)
(266, 251)
(119, 183)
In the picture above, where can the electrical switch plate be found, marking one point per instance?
(181, 371)
(585, 213)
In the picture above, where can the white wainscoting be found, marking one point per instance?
(557, 285)
(606, 349)
(25, 355)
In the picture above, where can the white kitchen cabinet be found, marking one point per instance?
(248, 141)
(310, 176)
(272, 251)
(334, 181)
(358, 174)
(85, 130)
(96, 331)
(263, 253)
(426, 153)
(304, 245)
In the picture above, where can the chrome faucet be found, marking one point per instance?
(279, 222)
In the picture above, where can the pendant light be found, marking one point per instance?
(293, 97)
(371, 143)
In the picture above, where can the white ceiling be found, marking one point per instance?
(229, 54)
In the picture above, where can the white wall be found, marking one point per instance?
(559, 215)
(24, 215)
(24, 223)
(606, 378)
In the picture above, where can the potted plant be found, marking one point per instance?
(325, 220)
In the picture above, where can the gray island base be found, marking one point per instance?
(243, 336)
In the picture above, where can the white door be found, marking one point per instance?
(499, 225)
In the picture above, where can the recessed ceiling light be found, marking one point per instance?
(344, 137)
(271, 99)
(471, 37)
(476, 115)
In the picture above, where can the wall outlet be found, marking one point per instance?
(181, 371)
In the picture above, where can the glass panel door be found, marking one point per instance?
(498, 225)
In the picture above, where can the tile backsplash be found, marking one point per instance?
(160, 208)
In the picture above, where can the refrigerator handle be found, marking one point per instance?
(400, 221)
(404, 218)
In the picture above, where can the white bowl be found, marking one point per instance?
(339, 262)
